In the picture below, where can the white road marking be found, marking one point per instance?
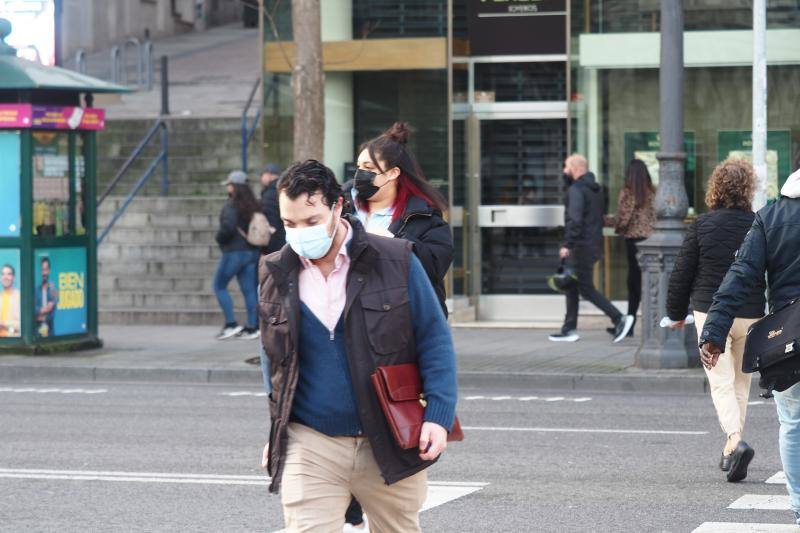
(736, 527)
(778, 479)
(758, 402)
(139, 477)
(586, 430)
(767, 502)
(52, 390)
(243, 393)
(441, 492)
(528, 398)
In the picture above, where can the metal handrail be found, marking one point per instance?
(161, 159)
(247, 131)
(139, 65)
(115, 64)
(147, 58)
(80, 61)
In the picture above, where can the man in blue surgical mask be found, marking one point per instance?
(335, 303)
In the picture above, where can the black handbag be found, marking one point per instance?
(772, 348)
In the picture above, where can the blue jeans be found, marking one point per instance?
(241, 264)
(788, 403)
(265, 370)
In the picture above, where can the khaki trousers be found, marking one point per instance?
(322, 472)
(730, 387)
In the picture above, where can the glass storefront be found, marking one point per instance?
(516, 117)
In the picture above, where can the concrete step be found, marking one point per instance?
(144, 283)
(176, 164)
(166, 204)
(168, 268)
(160, 220)
(159, 236)
(178, 147)
(199, 176)
(162, 317)
(116, 299)
(176, 124)
(153, 252)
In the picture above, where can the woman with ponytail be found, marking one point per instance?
(392, 197)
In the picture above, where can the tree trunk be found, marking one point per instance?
(308, 82)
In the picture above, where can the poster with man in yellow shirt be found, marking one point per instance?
(10, 322)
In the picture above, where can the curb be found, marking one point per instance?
(619, 382)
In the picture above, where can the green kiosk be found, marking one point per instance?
(48, 224)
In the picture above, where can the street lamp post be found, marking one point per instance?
(665, 348)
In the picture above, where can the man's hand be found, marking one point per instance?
(432, 441)
(709, 355)
(563, 253)
(678, 325)
(265, 456)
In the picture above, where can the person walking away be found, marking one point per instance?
(772, 246)
(706, 255)
(239, 258)
(335, 304)
(634, 221)
(582, 248)
(269, 206)
(392, 197)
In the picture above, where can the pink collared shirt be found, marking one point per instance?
(326, 297)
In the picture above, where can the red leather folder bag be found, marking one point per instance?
(399, 391)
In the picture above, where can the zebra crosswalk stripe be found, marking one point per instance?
(755, 502)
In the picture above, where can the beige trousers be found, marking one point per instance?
(322, 472)
(730, 387)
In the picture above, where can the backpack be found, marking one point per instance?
(259, 231)
(773, 348)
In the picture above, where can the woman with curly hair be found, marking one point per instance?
(705, 257)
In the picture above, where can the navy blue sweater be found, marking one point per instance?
(325, 400)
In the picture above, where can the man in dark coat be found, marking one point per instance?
(269, 206)
(583, 247)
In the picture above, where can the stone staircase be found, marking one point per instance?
(157, 263)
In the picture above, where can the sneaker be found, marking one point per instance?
(228, 332)
(564, 336)
(622, 327)
(797, 517)
(248, 334)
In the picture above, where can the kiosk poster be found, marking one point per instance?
(60, 296)
(739, 144)
(9, 184)
(10, 301)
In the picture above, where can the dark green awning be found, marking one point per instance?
(19, 74)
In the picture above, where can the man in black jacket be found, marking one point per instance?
(771, 246)
(269, 206)
(583, 247)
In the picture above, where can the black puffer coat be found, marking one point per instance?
(583, 215)
(426, 228)
(708, 251)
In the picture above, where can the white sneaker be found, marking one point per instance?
(622, 327)
(363, 527)
(569, 336)
(228, 332)
(248, 334)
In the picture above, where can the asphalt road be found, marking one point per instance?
(140, 457)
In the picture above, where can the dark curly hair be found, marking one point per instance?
(731, 186)
(310, 177)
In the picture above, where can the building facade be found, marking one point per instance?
(500, 92)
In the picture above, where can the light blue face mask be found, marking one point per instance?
(312, 242)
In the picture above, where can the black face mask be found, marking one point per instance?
(363, 184)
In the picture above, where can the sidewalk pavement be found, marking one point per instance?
(486, 357)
